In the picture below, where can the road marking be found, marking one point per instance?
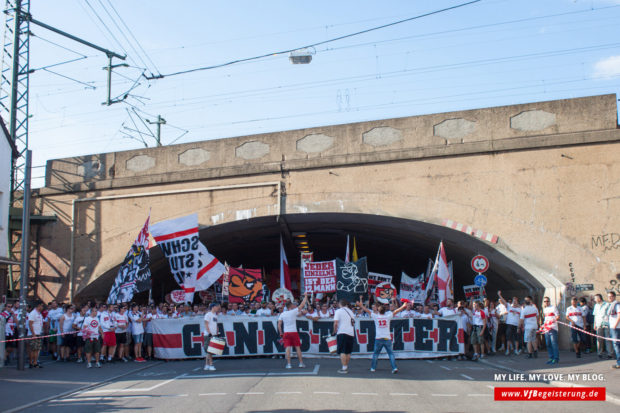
(288, 392)
(212, 394)
(198, 368)
(326, 392)
(364, 394)
(466, 376)
(131, 390)
(429, 361)
(251, 392)
(445, 368)
(479, 395)
(403, 394)
(314, 372)
(444, 395)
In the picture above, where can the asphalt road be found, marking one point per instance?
(264, 385)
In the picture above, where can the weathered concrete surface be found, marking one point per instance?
(551, 195)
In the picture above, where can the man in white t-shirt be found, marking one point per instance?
(53, 314)
(550, 327)
(263, 311)
(287, 326)
(35, 327)
(575, 316)
(529, 322)
(91, 331)
(447, 310)
(513, 316)
(344, 326)
(137, 331)
(108, 326)
(383, 336)
(210, 332)
(613, 313)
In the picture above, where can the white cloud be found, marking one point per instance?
(608, 67)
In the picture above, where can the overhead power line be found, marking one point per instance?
(160, 76)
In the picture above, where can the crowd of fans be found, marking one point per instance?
(96, 333)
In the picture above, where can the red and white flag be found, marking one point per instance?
(444, 279)
(191, 264)
(285, 275)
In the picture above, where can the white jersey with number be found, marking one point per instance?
(382, 325)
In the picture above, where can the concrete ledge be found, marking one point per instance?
(440, 151)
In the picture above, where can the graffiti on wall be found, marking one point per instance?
(606, 242)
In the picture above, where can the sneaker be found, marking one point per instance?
(609, 357)
(394, 371)
(345, 371)
(206, 367)
(288, 366)
(616, 366)
(578, 355)
(550, 361)
(502, 348)
(80, 360)
(98, 365)
(89, 365)
(475, 357)
(211, 368)
(507, 353)
(302, 365)
(518, 352)
(536, 354)
(124, 359)
(529, 355)
(481, 356)
(555, 361)
(372, 370)
(600, 356)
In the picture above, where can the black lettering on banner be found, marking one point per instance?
(189, 260)
(397, 326)
(165, 247)
(190, 348)
(176, 246)
(304, 337)
(246, 338)
(185, 245)
(368, 327)
(323, 329)
(448, 330)
(271, 338)
(422, 341)
(195, 239)
(222, 334)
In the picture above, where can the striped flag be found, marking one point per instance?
(191, 264)
(285, 274)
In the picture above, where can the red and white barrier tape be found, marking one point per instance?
(545, 327)
(36, 337)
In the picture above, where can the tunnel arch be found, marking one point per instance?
(392, 245)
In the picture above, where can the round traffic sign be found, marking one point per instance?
(479, 264)
(480, 280)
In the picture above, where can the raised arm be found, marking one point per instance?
(363, 307)
(501, 299)
(401, 308)
(303, 303)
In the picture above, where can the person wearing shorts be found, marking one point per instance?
(91, 331)
(574, 315)
(108, 326)
(35, 328)
(479, 326)
(210, 320)
(122, 322)
(344, 325)
(78, 322)
(513, 314)
(137, 332)
(529, 320)
(287, 326)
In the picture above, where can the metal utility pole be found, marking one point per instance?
(23, 281)
(14, 90)
(160, 121)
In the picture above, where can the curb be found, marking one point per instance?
(68, 392)
(612, 398)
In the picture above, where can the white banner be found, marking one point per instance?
(412, 288)
(192, 266)
(374, 279)
(245, 336)
(320, 277)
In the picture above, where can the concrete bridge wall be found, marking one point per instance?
(543, 177)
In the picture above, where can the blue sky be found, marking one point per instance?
(495, 52)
